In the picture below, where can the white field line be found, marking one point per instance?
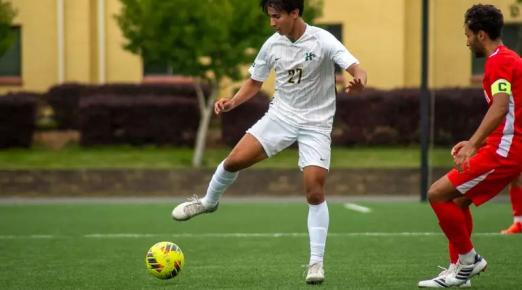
(228, 235)
(357, 208)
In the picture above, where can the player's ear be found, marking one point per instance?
(294, 13)
(481, 35)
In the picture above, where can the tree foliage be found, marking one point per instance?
(7, 14)
(198, 37)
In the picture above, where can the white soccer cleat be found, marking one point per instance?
(191, 208)
(440, 280)
(315, 273)
(463, 273)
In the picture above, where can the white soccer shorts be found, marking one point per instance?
(274, 134)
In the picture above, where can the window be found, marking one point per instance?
(11, 61)
(512, 38)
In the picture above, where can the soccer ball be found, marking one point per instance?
(164, 260)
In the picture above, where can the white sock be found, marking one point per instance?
(220, 181)
(318, 220)
(468, 258)
(517, 219)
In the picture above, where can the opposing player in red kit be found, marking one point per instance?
(490, 159)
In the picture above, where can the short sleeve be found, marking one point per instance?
(500, 74)
(337, 51)
(261, 67)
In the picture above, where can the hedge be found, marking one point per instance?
(381, 117)
(65, 98)
(17, 119)
(234, 123)
(112, 119)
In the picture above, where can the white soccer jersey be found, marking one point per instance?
(305, 76)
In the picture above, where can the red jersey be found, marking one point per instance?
(503, 74)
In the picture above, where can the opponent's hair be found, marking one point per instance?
(485, 17)
(283, 5)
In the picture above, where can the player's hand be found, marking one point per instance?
(462, 153)
(354, 86)
(223, 105)
(456, 148)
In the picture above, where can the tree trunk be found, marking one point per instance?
(206, 110)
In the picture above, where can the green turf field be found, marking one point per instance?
(101, 245)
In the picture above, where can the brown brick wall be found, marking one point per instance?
(180, 183)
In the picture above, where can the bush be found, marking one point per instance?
(235, 123)
(17, 119)
(114, 119)
(377, 117)
(458, 113)
(65, 98)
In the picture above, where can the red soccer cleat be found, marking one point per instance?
(515, 228)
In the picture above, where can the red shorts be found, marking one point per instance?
(487, 175)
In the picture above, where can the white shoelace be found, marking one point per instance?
(194, 205)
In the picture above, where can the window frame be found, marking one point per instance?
(15, 80)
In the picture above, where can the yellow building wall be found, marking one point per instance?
(373, 31)
(122, 66)
(385, 35)
(78, 40)
(412, 48)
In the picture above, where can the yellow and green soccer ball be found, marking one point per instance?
(164, 260)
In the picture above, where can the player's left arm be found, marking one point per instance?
(360, 78)
(342, 57)
(501, 91)
(494, 116)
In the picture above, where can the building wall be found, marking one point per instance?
(38, 20)
(373, 31)
(412, 40)
(383, 34)
(122, 66)
(78, 40)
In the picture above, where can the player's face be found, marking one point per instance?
(281, 21)
(472, 41)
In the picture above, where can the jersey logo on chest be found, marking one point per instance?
(309, 56)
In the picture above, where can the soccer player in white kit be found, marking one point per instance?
(302, 110)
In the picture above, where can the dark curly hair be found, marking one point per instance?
(283, 5)
(487, 18)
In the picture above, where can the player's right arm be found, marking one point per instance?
(248, 89)
(496, 113)
(501, 74)
(258, 74)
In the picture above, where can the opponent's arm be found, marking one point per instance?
(494, 116)
(248, 89)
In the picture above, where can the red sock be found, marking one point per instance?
(515, 193)
(453, 253)
(469, 220)
(452, 221)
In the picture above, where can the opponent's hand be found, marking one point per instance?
(223, 105)
(354, 86)
(462, 153)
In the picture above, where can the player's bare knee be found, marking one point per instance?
(315, 197)
(231, 165)
(434, 193)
